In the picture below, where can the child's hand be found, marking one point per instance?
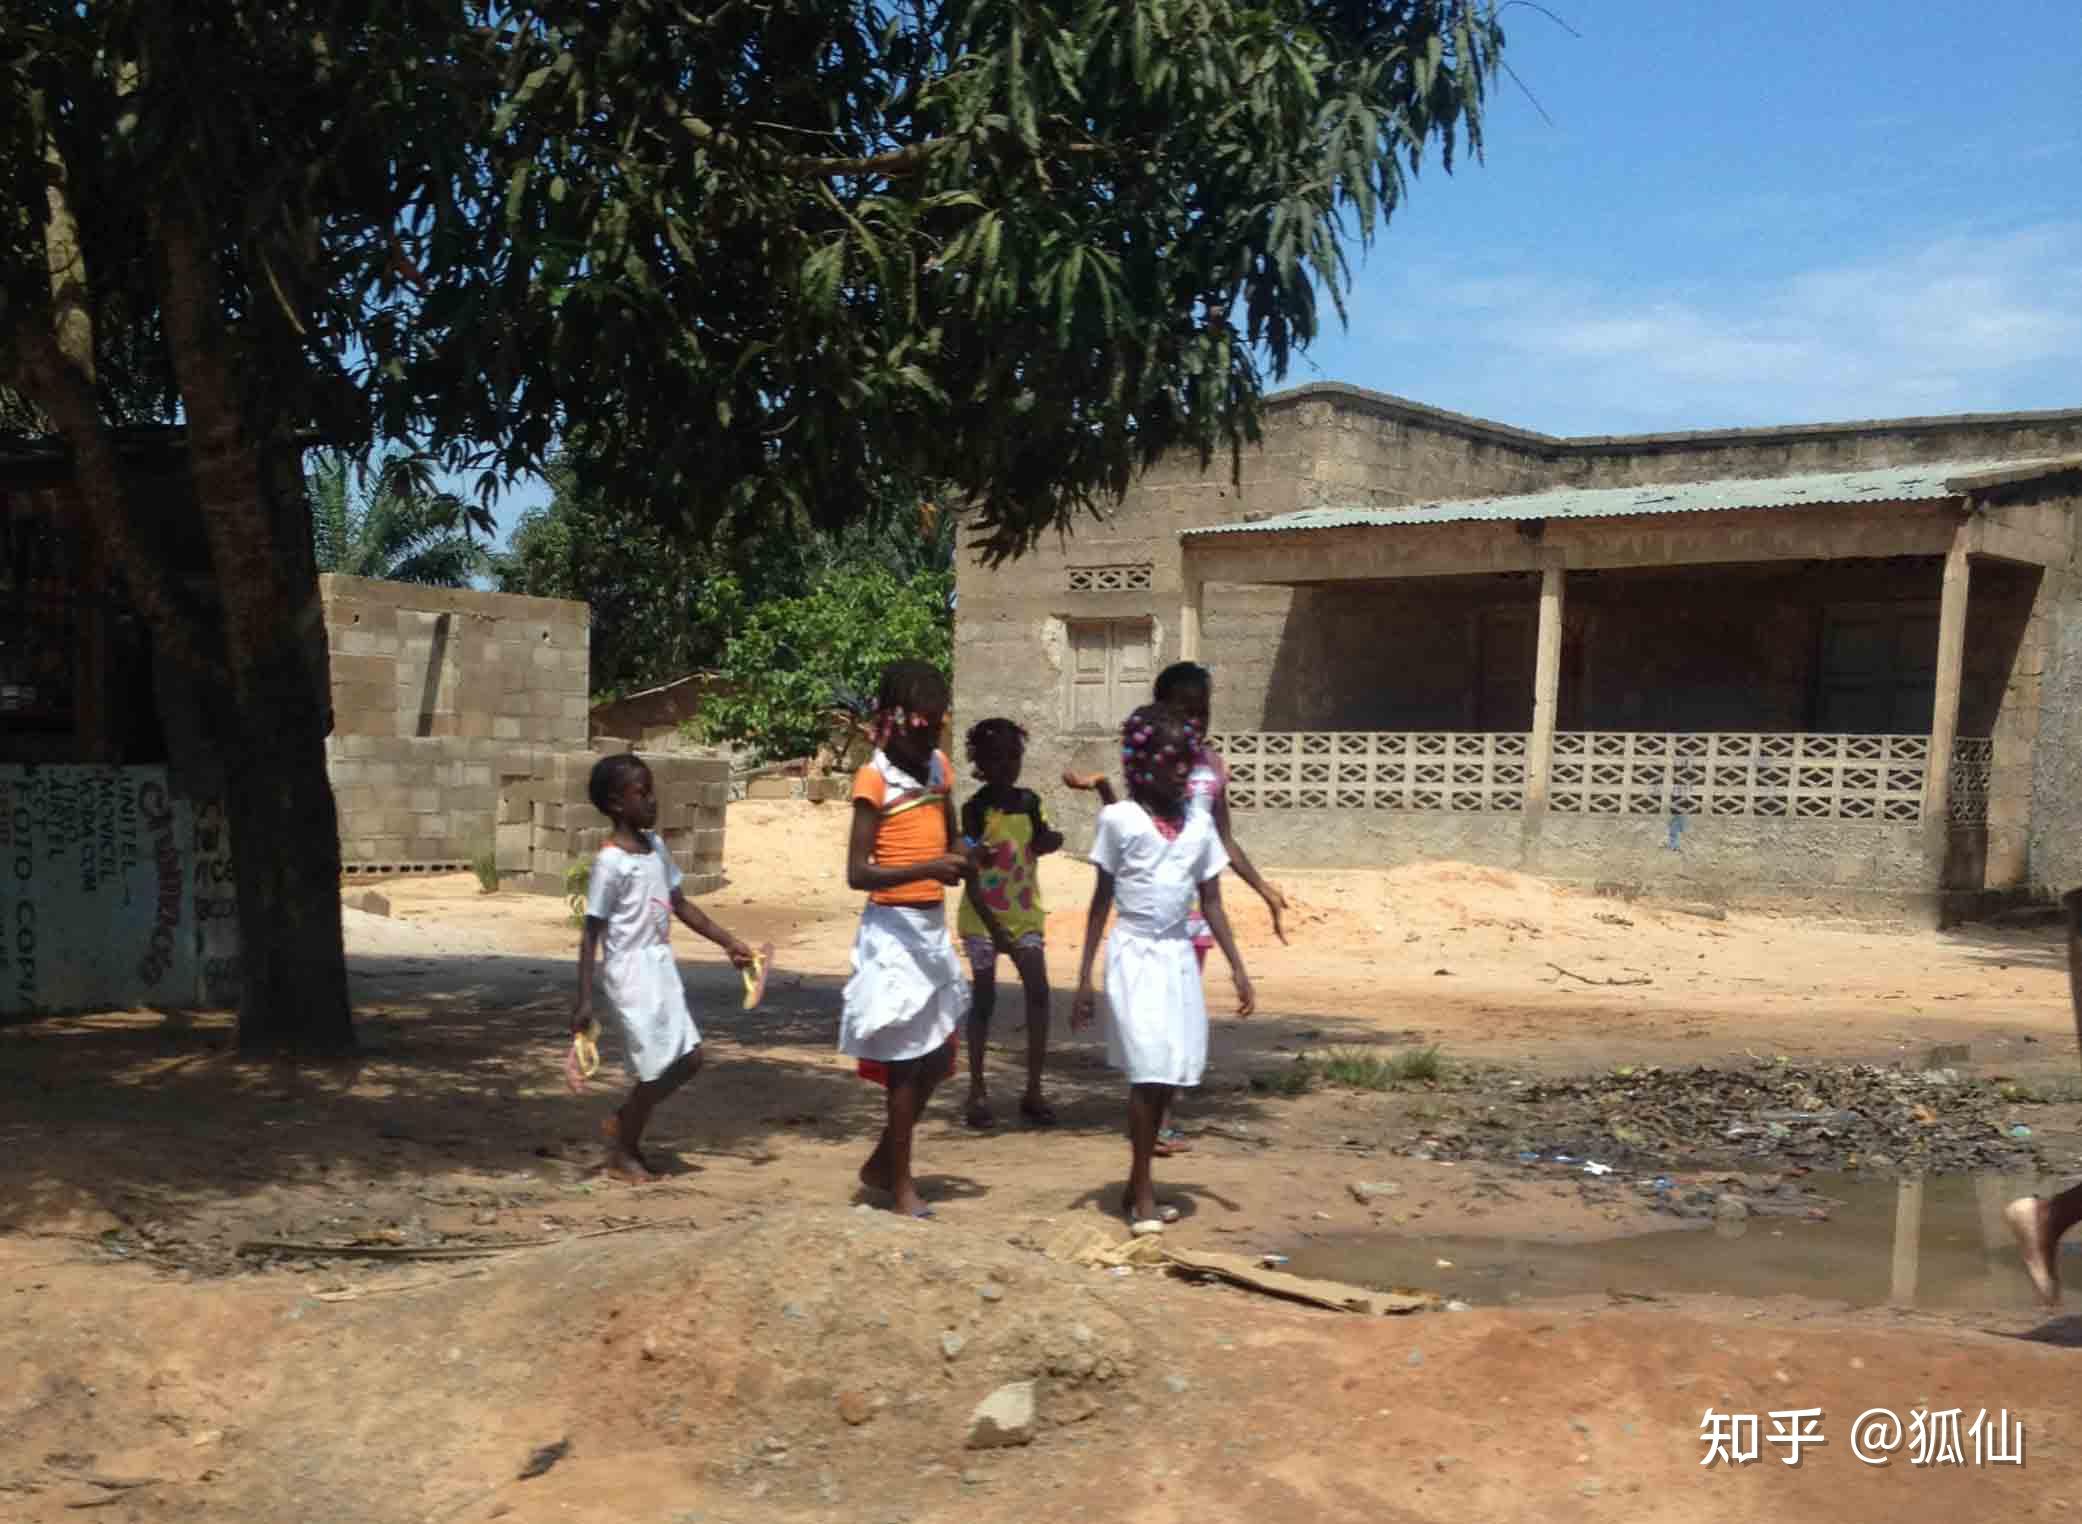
(1077, 780)
(949, 869)
(740, 955)
(1003, 943)
(581, 1016)
(1084, 1009)
(1276, 902)
(1246, 997)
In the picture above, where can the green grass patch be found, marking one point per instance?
(1371, 1069)
(1353, 1069)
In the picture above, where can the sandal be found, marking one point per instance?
(1171, 1142)
(979, 1116)
(1166, 1213)
(1039, 1113)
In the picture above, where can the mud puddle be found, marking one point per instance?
(1938, 1242)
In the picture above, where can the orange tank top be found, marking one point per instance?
(911, 826)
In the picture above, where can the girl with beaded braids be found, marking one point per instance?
(1190, 687)
(1156, 859)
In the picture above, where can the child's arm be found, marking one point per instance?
(1047, 838)
(588, 950)
(1218, 923)
(696, 920)
(1275, 901)
(864, 874)
(1098, 782)
(1086, 1004)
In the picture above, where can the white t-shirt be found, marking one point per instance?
(1156, 882)
(632, 892)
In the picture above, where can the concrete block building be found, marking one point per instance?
(460, 727)
(1834, 662)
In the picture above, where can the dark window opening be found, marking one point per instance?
(1878, 669)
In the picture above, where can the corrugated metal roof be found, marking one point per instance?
(1888, 484)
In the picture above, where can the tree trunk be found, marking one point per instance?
(285, 839)
(274, 717)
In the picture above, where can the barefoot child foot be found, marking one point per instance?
(628, 1167)
(2029, 1218)
(977, 1112)
(611, 1129)
(875, 1173)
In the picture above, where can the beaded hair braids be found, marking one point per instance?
(910, 694)
(890, 723)
(1153, 734)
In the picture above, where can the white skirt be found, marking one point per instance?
(644, 988)
(1156, 1031)
(908, 994)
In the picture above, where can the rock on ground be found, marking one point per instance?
(1005, 1417)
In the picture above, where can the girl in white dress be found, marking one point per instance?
(1156, 859)
(631, 898)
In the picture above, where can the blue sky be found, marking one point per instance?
(1746, 212)
(1742, 212)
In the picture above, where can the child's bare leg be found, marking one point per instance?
(1145, 1110)
(875, 1173)
(1168, 1142)
(2039, 1224)
(1032, 964)
(983, 1006)
(625, 1144)
(911, 1085)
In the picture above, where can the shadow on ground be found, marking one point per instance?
(155, 1118)
(2011, 947)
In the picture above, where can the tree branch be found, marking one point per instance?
(896, 163)
(39, 370)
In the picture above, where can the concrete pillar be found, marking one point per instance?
(1944, 720)
(1189, 618)
(1908, 1235)
(1539, 749)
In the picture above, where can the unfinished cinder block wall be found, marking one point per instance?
(546, 822)
(440, 694)
(460, 728)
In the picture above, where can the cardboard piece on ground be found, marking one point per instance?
(1082, 1244)
(1334, 1295)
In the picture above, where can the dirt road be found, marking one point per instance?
(705, 1345)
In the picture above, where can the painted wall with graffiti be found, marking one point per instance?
(113, 893)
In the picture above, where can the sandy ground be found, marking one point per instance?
(704, 1346)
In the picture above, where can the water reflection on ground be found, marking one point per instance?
(1936, 1242)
